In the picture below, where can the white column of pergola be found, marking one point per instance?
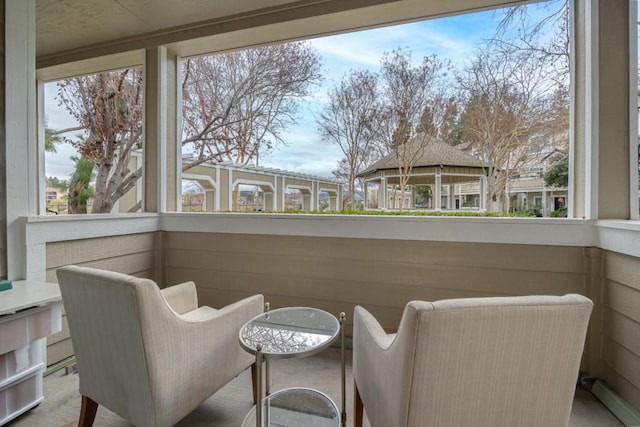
(437, 192)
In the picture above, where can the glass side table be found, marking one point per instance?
(292, 332)
(296, 407)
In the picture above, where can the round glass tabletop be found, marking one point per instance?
(290, 332)
(296, 407)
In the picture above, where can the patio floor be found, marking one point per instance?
(228, 406)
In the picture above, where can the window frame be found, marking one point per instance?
(132, 59)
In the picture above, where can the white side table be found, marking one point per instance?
(28, 314)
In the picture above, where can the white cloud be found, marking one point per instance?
(352, 47)
(59, 164)
(304, 153)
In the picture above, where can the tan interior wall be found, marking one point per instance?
(613, 125)
(335, 274)
(131, 254)
(3, 183)
(621, 327)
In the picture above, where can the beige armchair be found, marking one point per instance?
(149, 355)
(510, 361)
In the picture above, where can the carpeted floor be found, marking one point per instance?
(228, 407)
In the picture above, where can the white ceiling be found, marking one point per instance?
(76, 30)
(64, 25)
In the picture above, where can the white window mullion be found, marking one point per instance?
(592, 129)
(21, 196)
(40, 147)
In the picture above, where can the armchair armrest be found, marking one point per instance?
(383, 365)
(182, 298)
(371, 330)
(203, 347)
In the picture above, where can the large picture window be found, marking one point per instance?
(430, 114)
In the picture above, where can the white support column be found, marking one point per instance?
(162, 152)
(155, 135)
(412, 200)
(276, 192)
(21, 169)
(40, 146)
(384, 193)
(216, 207)
(365, 195)
(230, 198)
(603, 80)
(437, 192)
(483, 193)
(452, 195)
(284, 189)
(209, 200)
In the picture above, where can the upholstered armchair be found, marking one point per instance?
(505, 361)
(151, 356)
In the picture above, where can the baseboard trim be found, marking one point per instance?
(616, 404)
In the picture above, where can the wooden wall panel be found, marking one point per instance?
(621, 326)
(383, 275)
(133, 254)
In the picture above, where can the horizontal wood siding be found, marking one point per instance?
(383, 275)
(621, 327)
(131, 254)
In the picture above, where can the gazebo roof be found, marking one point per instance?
(434, 152)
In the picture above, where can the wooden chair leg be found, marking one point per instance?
(254, 378)
(358, 407)
(87, 412)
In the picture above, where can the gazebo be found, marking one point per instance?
(435, 163)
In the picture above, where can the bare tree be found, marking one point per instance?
(509, 104)
(440, 118)
(237, 104)
(547, 38)
(348, 120)
(108, 107)
(408, 89)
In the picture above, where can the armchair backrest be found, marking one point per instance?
(508, 361)
(104, 314)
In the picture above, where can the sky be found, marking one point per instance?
(454, 38)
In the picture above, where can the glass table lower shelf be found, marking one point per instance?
(296, 407)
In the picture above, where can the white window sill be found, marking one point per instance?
(537, 231)
(614, 235)
(619, 236)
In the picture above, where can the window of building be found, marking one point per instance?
(537, 201)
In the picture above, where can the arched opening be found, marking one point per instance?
(193, 196)
(293, 200)
(249, 198)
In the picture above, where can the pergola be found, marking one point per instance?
(221, 180)
(434, 163)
